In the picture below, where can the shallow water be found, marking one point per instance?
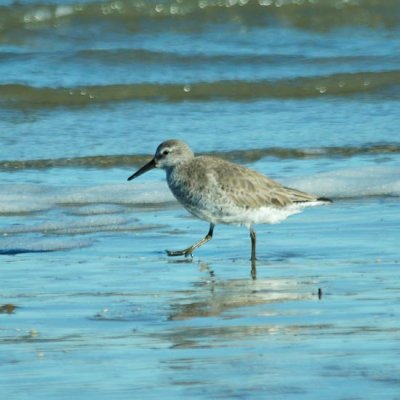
(306, 92)
(119, 318)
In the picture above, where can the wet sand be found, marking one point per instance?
(119, 319)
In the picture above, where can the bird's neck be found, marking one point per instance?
(173, 171)
(169, 171)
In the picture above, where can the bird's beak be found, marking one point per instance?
(147, 167)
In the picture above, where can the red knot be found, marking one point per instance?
(219, 191)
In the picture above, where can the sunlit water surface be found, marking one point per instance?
(91, 307)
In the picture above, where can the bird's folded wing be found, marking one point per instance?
(250, 189)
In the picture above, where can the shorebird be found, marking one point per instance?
(219, 191)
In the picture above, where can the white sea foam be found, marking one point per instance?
(352, 183)
(108, 199)
(126, 194)
(99, 199)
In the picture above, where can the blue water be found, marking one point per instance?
(91, 307)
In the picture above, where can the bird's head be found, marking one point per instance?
(168, 155)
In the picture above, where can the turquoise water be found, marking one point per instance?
(306, 92)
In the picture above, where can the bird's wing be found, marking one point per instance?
(250, 189)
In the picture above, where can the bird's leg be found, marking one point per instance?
(187, 252)
(253, 253)
(253, 244)
(253, 270)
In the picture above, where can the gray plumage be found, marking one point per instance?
(219, 191)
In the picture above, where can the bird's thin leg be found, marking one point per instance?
(189, 250)
(253, 253)
(253, 270)
(253, 244)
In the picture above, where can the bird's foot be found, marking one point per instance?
(177, 253)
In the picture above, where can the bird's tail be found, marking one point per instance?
(324, 200)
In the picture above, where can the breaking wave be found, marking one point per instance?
(236, 90)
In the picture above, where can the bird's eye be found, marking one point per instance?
(165, 152)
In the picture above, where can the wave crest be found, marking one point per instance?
(234, 90)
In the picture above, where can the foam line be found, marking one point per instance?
(105, 199)
(352, 183)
